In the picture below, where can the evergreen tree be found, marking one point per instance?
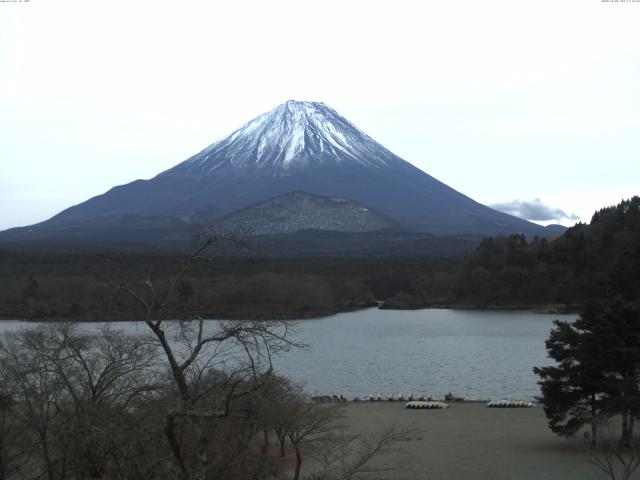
(616, 325)
(598, 369)
(573, 390)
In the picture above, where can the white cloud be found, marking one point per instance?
(534, 210)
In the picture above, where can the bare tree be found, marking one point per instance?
(280, 398)
(243, 348)
(98, 369)
(37, 391)
(314, 430)
(310, 423)
(72, 395)
(10, 434)
(343, 457)
(617, 457)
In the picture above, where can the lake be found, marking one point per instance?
(477, 354)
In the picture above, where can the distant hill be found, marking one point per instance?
(295, 211)
(554, 230)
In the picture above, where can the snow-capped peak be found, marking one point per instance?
(294, 135)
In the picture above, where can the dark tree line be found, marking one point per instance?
(598, 260)
(71, 287)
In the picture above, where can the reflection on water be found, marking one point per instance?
(475, 354)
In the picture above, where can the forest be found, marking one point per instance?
(588, 261)
(561, 273)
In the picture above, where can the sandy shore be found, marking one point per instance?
(472, 442)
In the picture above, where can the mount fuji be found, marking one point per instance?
(298, 146)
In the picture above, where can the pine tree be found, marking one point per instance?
(616, 325)
(597, 375)
(573, 391)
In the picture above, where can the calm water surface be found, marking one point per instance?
(475, 354)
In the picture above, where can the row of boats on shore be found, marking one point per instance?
(422, 401)
(400, 397)
(491, 404)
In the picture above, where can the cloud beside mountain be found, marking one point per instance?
(534, 210)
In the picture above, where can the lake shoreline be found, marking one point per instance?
(542, 308)
(557, 309)
(290, 316)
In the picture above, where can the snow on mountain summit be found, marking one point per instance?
(296, 147)
(292, 136)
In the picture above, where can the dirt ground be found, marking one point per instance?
(472, 442)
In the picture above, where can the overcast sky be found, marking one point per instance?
(530, 105)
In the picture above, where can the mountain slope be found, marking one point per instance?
(127, 233)
(297, 146)
(297, 211)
